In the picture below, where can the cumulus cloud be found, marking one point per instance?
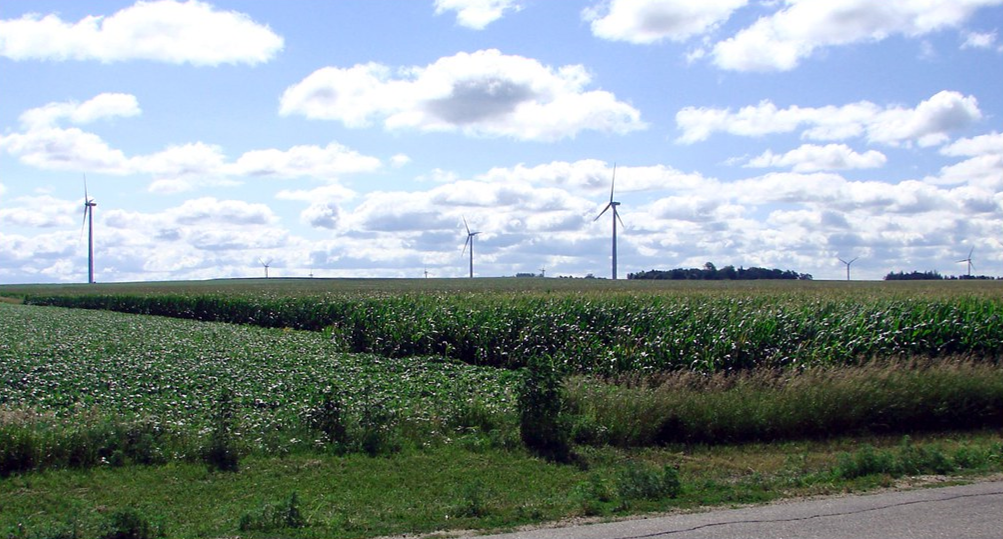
(927, 124)
(165, 31)
(984, 167)
(779, 42)
(304, 161)
(39, 212)
(45, 144)
(476, 14)
(485, 93)
(812, 158)
(651, 21)
(979, 40)
(101, 106)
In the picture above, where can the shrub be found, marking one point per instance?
(274, 516)
(221, 452)
(543, 418)
(327, 415)
(637, 481)
(129, 524)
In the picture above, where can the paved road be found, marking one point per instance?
(963, 512)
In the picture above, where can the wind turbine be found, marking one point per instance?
(543, 272)
(848, 266)
(969, 260)
(616, 216)
(265, 263)
(470, 241)
(89, 205)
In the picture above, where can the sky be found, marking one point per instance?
(355, 138)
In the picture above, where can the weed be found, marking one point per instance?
(274, 516)
(592, 496)
(128, 523)
(543, 419)
(221, 453)
(327, 415)
(638, 481)
(473, 503)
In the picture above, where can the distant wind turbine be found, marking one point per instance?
(616, 216)
(969, 261)
(848, 266)
(89, 205)
(543, 272)
(265, 263)
(470, 241)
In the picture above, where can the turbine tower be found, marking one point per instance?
(89, 205)
(969, 260)
(848, 266)
(616, 216)
(470, 241)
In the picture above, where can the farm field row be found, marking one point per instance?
(590, 326)
(116, 401)
(63, 366)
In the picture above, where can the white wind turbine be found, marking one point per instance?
(848, 266)
(969, 261)
(470, 241)
(265, 263)
(616, 216)
(89, 205)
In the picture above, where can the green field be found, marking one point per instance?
(656, 381)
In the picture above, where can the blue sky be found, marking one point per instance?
(352, 138)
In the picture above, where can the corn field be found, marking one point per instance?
(607, 331)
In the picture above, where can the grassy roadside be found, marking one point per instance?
(455, 487)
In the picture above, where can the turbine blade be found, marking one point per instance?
(616, 214)
(465, 225)
(465, 245)
(612, 184)
(843, 261)
(608, 206)
(970, 253)
(854, 259)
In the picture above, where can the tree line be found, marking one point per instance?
(711, 273)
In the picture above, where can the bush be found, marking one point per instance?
(637, 481)
(543, 418)
(327, 415)
(129, 524)
(274, 516)
(221, 452)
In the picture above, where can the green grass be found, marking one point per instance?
(454, 488)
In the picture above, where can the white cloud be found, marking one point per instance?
(779, 42)
(485, 93)
(927, 124)
(211, 210)
(40, 212)
(166, 31)
(304, 161)
(978, 40)
(812, 158)
(651, 21)
(476, 14)
(46, 145)
(991, 144)
(101, 106)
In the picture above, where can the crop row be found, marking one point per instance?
(63, 364)
(606, 334)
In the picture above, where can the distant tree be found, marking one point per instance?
(913, 276)
(709, 271)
